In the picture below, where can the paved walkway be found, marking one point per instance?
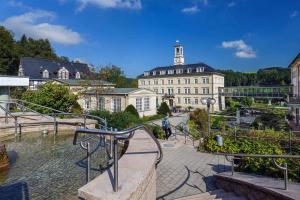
(184, 171)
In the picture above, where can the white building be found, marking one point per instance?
(184, 85)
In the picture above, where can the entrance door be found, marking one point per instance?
(171, 102)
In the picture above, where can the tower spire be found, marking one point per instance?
(178, 54)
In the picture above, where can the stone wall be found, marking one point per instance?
(137, 174)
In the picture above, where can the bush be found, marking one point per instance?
(200, 118)
(247, 101)
(131, 109)
(164, 109)
(194, 132)
(51, 95)
(157, 131)
(119, 120)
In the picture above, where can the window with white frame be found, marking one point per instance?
(162, 81)
(116, 104)
(87, 103)
(200, 69)
(101, 103)
(179, 71)
(189, 70)
(63, 73)
(187, 81)
(138, 104)
(45, 74)
(205, 80)
(155, 82)
(162, 91)
(146, 73)
(205, 90)
(196, 101)
(146, 103)
(170, 71)
(196, 80)
(162, 72)
(178, 100)
(178, 81)
(154, 73)
(77, 75)
(196, 90)
(149, 82)
(178, 91)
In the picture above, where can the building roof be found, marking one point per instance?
(294, 60)
(118, 91)
(207, 70)
(79, 82)
(34, 67)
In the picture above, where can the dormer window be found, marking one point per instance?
(63, 73)
(146, 73)
(21, 71)
(45, 74)
(179, 71)
(162, 72)
(189, 70)
(170, 71)
(200, 69)
(154, 73)
(77, 76)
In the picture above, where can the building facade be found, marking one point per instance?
(117, 99)
(294, 102)
(184, 85)
(41, 71)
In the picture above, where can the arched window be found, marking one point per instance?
(77, 75)
(63, 73)
(21, 71)
(45, 74)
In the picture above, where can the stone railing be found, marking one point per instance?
(136, 174)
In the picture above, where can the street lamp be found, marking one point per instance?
(208, 101)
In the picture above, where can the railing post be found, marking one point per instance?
(115, 164)
(16, 126)
(6, 114)
(111, 143)
(285, 176)
(84, 120)
(54, 124)
(290, 141)
(88, 157)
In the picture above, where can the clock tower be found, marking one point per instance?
(178, 54)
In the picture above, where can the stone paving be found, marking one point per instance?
(184, 171)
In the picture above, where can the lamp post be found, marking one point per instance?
(208, 101)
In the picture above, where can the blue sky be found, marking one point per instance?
(138, 35)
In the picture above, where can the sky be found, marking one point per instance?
(138, 35)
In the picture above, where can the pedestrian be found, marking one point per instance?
(166, 126)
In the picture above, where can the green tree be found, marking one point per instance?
(163, 109)
(8, 60)
(51, 95)
(247, 101)
(200, 117)
(131, 109)
(114, 74)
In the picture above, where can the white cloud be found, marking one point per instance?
(36, 24)
(18, 4)
(126, 4)
(294, 14)
(231, 4)
(242, 49)
(191, 10)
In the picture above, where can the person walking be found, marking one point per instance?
(166, 126)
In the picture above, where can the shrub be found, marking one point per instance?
(157, 131)
(194, 132)
(200, 118)
(51, 95)
(247, 101)
(131, 109)
(164, 109)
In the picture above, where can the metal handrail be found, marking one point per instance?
(238, 156)
(115, 137)
(15, 118)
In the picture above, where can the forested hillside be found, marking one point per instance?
(263, 77)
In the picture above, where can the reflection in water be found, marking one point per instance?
(47, 167)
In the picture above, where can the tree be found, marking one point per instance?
(114, 74)
(51, 95)
(163, 109)
(200, 117)
(247, 101)
(7, 56)
(131, 109)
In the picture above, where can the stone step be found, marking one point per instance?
(212, 195)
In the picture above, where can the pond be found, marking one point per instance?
(47, 167)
